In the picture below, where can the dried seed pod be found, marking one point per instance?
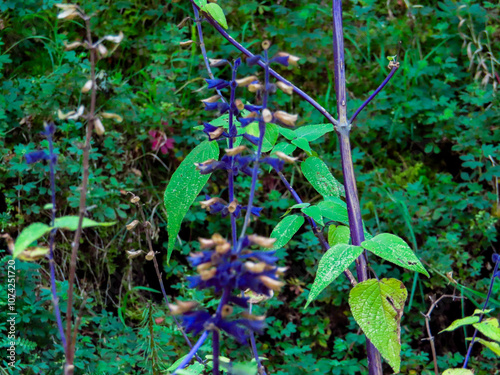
(212, 99)
(113, 116)
(72, 46)
(77, 114)
(226, 311)
(131, 254)
(206, 243)
(286, 118)
(232, 206)
(115, 38)
(208, 274)
(239, 104)
(285, 157)
(267, 116)
(216, 133)
(87, 87)
(101, 48)
(132, 225)
(186, 43)
(271, 283)
(254, 87)
(135, 199)
(150, 255)
(287, 89)
(218, 62)
(246, 81)
(98, 126)
(262, 241)
(204, 266)
(235, 150)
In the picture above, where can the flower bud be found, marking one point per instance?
(235, 150)
(132, 225)
(267, 116)
(271, 283)
(98, 126)
(150, 255)
(113, 116)
(262, 241)
(77, 114)
(246, 81)
(87, 87)
(285, 118)
(287, 89)
(285, 157)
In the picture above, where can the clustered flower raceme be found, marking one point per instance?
(223, 267)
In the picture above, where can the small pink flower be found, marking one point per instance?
(160, 141)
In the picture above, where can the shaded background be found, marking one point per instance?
(426, 154)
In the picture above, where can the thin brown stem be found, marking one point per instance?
(70, 349)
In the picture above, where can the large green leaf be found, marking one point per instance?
(332, 264)
(493, 346)
(216, 12)
(458, 371)
(335, 210)
(286, 229)
(302, 144)
(284, 147)
(395, 250)
(29, 235)
(71, 223)
(312, 132)
(340, 234)
(377, 306)
(462, 322)
(183, 188)
(270, 136)
(318, 174)
(315, 213)
(489, 328)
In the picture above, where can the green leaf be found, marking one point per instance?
(332, 264)
(183, 188)
(123, 307)
(286, 229)
(71, 223)
(315, 213)
(340, 234)
(244, 368)
(317, 173)
(29, 235)
(301, 205)
(31, 254)
(377, 306)
(493, 346)
(270, 136)
(489, 328)
(335, 210)
(461, 322)
(303, 144)
(216, 12)
(284, 147)
(201, 4)
(458, 371)
(395, 250)
(287, 133)
(312, 132)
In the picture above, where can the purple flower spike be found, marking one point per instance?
(36, 156)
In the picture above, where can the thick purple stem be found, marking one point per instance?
(343, 130)
(192, 352)
(215, 351)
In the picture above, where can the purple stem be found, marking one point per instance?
(262, 64)
(192, 352)
(202, 46)
(231, 145)
(55, 299)
(215, 351)
(482, 314)
(262, 131)
(370, 98)
(343, 130)
(261, 370)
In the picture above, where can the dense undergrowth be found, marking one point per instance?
(426, 155)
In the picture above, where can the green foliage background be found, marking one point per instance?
(426, 154)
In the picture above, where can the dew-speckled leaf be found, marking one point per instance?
(183, 188)
(493, 346)
(377, 306)
(335, 210)
(461, 322)
(489, 328)
(302, 144)
(458, 371)
(340, 234)
(394, 249)
(284, 147)
(270, 136)
(200, 3)
(287, 133)
(332, 264)
(286, 229)
(71, 223)
(318, 174)
(312, 132)
(216, 12)
(315, 213)
(29, 235)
